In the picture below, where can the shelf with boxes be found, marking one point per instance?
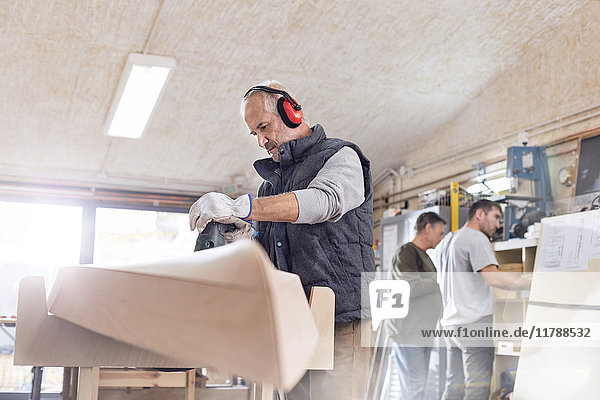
(510, 306)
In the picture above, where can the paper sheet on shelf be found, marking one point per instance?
(595, 250)
(566, 243)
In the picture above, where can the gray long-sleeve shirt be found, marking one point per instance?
(338, 188)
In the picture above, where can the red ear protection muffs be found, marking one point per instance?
(289, 109)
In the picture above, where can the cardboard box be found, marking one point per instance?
(511, 267)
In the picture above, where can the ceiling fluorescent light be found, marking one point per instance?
(140, 87)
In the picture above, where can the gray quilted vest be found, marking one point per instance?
(332, 254)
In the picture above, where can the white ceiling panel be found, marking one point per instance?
(385, 74)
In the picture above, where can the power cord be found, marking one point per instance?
(597, 203)
(594, 205)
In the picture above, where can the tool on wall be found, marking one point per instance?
(525, 164)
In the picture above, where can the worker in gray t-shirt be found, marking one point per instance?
(467, 269)
(467, 297)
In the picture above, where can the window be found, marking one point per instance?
(135, 235)
(35, 239)
(38, 239)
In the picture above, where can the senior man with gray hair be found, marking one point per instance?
(314, 213)
(411, 263)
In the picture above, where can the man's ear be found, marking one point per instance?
(480, 214)
(428, 228)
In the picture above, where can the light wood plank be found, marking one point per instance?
(87, 386)
(141, 378)
(267, 334)
(43, 339)
(550, 371)
(322, 307)
(190, 391)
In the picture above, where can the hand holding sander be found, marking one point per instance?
(222, 218)
(213, 235)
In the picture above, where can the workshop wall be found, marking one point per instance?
(551, 93)
(559, 157)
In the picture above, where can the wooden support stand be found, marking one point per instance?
(93, 378)
(87, 387)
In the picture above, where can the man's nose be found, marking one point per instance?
(261, 139)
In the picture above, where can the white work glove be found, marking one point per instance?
(214, 205)
(243, 230)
